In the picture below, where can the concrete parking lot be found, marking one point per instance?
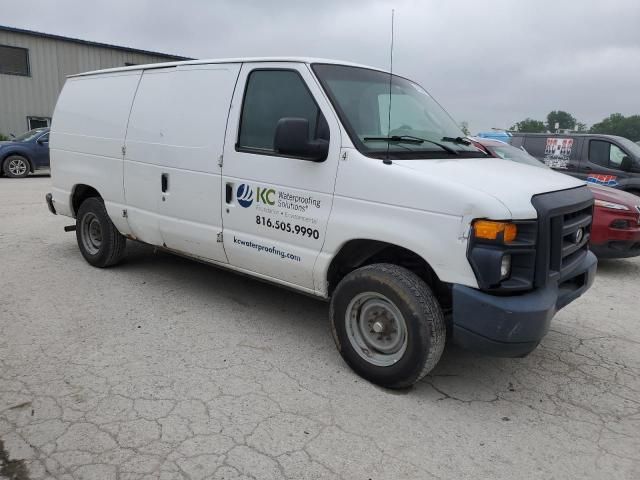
(167, 368)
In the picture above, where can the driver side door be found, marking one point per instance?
(604, 161)
(275, 206)
(41, 151)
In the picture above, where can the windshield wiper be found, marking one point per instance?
(460, 140)
(410, 139)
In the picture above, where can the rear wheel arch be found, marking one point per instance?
(80, 193)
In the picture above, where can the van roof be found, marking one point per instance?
(307, 60)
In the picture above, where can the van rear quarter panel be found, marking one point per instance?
(87, 135)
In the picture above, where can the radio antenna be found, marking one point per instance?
(387, 160)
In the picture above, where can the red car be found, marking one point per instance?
(615, 232)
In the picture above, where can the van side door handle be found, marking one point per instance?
(164, 182)
(228, 192)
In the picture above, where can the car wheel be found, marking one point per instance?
(98, 239)
(16, 166)
(387, 325)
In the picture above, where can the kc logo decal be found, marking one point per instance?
(244, 194)
(265, 195)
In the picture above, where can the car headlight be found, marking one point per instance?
(610, 205)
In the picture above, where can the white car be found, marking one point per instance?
(336, 180)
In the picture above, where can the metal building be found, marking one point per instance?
(33, 67)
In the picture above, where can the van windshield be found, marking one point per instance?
(361, 98)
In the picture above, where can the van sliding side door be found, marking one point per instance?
(174, 144)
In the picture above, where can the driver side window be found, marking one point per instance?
(269, 96)
(606, 154)
(616, 155)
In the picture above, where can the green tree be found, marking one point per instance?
(3, 137)
(618, 124)
(564, 119)
(529, 125)
(464, 126)
(581, 127)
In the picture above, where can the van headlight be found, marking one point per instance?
(503, 253)
(501, 232)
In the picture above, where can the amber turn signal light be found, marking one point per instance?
(490, 230)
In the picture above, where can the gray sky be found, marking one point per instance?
(489, 62)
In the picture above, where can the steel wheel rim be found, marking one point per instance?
(91, 233)
(17, 167)
(376, 329)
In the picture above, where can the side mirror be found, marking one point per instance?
(292, 138)
(626, 165)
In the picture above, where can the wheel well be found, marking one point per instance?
(359, 253)
(80, 194)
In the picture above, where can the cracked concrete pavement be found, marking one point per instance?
(166, 368)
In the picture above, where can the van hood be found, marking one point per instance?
(511, 183)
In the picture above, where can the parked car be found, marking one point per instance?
(601, 159)
(295, 171)
(26, 153)
(615, 232)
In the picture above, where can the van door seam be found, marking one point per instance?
(224, 146)
(126, 133)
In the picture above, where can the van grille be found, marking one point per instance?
(570, 238)
(564, 230)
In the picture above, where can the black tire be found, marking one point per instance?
(98, 239)
(16, 166)
(409, 295)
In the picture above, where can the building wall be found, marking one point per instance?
(51, 61)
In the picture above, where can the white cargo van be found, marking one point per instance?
(298, 171)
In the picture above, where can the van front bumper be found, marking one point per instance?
(513, 326)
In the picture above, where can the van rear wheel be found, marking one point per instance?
(387, 325)
(98, 239)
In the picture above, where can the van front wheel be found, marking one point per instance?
(387, 325)
(98, 239)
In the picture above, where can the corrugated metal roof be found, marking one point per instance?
(87, 42)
